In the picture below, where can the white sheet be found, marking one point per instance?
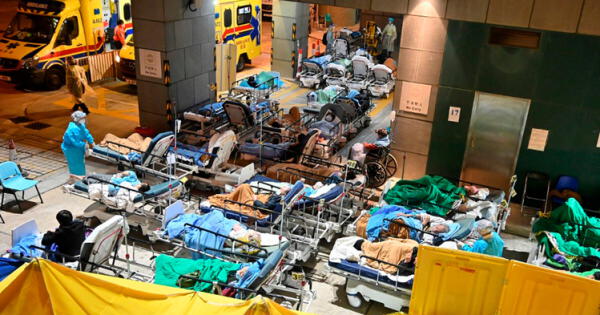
(344, 249)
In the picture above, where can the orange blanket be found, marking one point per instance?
(243, 194)
(135, 141)
(277, 172)
(393, 251)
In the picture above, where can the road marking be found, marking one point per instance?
(101, 109)
(381, 104)
(292, 95)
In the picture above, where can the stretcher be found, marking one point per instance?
(313, 70)
(152, 161)
(265, 84)
(383, 82)
(98, 248)
(337, 72)
(361, 74)
(276, 266)
(146, 204)
(235, 249)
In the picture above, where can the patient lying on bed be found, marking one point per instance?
(134, 141)
(125, 181)
(393, 251)
(244, 194)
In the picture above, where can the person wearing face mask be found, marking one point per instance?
(75, 141)
(389, 38)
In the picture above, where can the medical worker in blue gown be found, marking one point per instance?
(489, 243)
(74, 145)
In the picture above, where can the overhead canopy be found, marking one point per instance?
(42, 287)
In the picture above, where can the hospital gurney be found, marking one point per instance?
(98, 248)
(313, 71)
(274, 262)
(383, 81)
(265, 84)
(130, 200)
(319, 98)
(361, 73)
(152, 161)
(337, 72)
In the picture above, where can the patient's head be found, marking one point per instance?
(440, 228)
(471, 190)
(143, 187)
(285, 189)
(64, 217)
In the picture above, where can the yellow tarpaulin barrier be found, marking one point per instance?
(42, 287)
(456, 282)
(533, 290)
(451, 282)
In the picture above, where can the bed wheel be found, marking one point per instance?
(354, 300)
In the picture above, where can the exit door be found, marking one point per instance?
(494, 140)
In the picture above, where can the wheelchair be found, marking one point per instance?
(380, 164)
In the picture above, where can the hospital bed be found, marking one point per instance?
(152, 161)
(337, 72)
(383, 82)
(361, 73)
(313, 70)
(319, 98)
(266, 83)
(146, 204)
(274, 274)
(99, 247)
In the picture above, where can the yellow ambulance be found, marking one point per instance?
(43, 33)
(239, 22)
(236, 21)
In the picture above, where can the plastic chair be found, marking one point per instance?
(565, 182)
(537, 188)
(12, 181)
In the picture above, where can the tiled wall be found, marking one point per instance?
(573, 16)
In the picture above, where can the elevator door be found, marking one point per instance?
(494, 140)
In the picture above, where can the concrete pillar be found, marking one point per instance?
(286, 14)
(419, 65)
(183, 37)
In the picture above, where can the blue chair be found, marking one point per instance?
(12, 181)
(565, 182)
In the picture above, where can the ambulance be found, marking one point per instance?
(236, 21)
(239, 22)
(43, 33)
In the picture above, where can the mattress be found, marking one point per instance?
(354, 268)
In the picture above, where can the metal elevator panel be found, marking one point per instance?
(494, 140)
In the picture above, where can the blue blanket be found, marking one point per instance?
(23, 247)
(377, 222)
(7, 266)
(197, 239)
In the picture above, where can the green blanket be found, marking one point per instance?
(572, 223)
(168, 270)
(434, 194)
(326, 95)
(571, 232)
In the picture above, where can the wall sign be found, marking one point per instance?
(150, 63)
(454, 114)
(415, 98)
(538, 139)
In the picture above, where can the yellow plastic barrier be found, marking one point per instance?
(533, 290)
(456, 282)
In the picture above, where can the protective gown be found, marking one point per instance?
(493, 246)
(73, 146)
(389, 37)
